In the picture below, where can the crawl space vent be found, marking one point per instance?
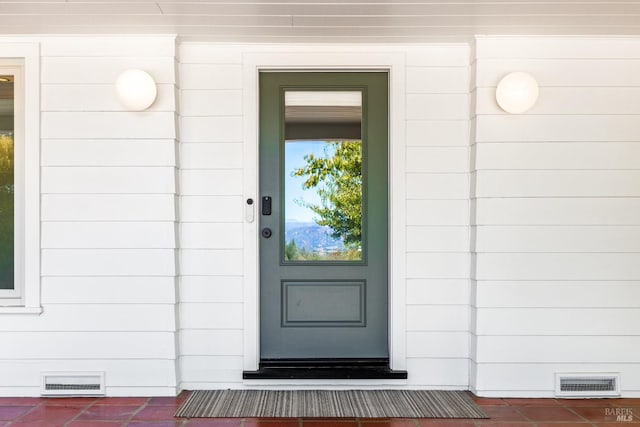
(587, 385)
(72, 384)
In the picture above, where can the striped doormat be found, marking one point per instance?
(329, 404)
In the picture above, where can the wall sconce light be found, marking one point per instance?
(136, 89)
(517, 92)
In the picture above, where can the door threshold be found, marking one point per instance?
(324, 369)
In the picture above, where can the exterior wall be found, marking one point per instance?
(213, 259)
(212, 216)
(522, 254)
(437, 167)
(108, 224)
(557, 216)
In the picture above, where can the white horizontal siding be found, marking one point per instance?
(211, 235)
(566, 294)
(539, 183)
(560, 128)
(211, 289)
(438, 318)
(207, 182)
(108, 235)
(112, 125)
(112, 46)
(87, 345)
(436, 345)
(438, 291)
(556, 209)
(437, 209)
(560, 72)
(206, 315)
(108, 207)
(558, 266)
(539, 378)
(121, 373)
(212, 212)
(108, 290)
(439, 373)
(211, 129)
(557, 349)
(438, 79)
(448, 133)
(211, 369)
(558, 48)
(108, 180)
(571, 100)
(437, 186)
(98, 317)
(438, 212)
(438, 159)
(77, 69)
(108, 262)
(437, 239)
(211, 262)
(435, 55)
(115, 152)
(209, 53)
(442, 265)
(558, 155)
(558, 239)
(97, 97)
(108, 222)
(575, 321)
(205, 102)
(220, 155)
(211, 208)
(203, 76)
(437, 106)
(205, 342)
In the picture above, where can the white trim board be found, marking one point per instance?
(28, 196)
(290, 58)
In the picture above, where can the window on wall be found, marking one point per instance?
(11, 188)
(19, 178)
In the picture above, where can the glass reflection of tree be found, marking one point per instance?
(337, 178)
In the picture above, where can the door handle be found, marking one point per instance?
(266, 232)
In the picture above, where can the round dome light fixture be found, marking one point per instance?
(517, 92)
(136, 89)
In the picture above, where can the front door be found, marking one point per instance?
(323, 215)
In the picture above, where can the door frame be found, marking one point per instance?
(326, 58)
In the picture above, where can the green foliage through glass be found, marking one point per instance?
(6, 211)
(336, 177)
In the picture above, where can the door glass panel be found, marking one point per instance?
(323, 176)
(6, 182)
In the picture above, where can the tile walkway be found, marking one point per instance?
(158, 412)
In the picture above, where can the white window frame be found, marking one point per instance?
(23, 61)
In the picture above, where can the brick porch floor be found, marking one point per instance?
(158, 412)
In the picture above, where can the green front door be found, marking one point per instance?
(323, 215)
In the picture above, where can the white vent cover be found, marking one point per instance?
(587, 385)
(72, 384)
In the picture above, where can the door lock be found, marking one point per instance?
(266, 205)
(266, 232)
